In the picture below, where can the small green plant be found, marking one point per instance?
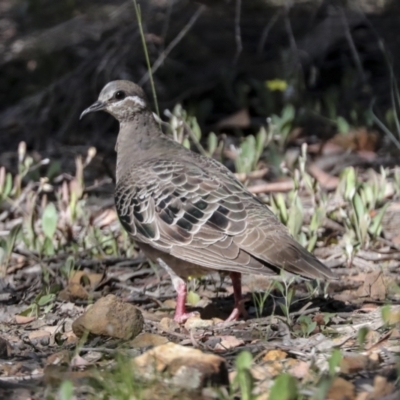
(281, 125)
(362, 336)
(291, 217)
(44, 302)
(284, 388)
(307, 325)
(288, 291)
(120, 382)
(186, 130)
(326, 380)
(259, 299)
(244, 381)
(364, 198)
(6, 249)
(66, 390)
(250, 151)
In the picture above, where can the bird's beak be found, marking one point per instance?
(97, 106)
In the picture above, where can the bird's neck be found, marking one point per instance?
(136, 136)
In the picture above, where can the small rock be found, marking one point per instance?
(80, 285)
(40, 336)
(168, 324)
(275, 355)
(228, 342)
(353, 363)
(60, 358)
(297, 368)
(148, 339)
(55, 374)
(261, 373)
(169, 303)
(5, 349)
(341, 390)
(109, 316)
(196, 322)
(186, 367)
(73, 292)
(382, 387)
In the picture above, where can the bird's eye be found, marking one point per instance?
(120, 95)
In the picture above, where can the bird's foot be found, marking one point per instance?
(239, 301)
(181, 318)
(234, 316)
(180, 287)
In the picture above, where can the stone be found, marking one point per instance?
(183, 367)
(110, 316)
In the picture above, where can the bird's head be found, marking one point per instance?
(122, 99)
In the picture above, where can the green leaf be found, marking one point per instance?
(334, 362)
(49, 220)
(358, 206)
(288, 113)
(247, 156)
(343, 125)
(244, 360)
(295, 217)
(196, 128)
(376, 225)
(281, 206)
(351, 182)
(361, 335)
(244, 379)
(3, 251)
(212, 142)
(192, 298)
(385, 313)
(54, 169)
(12, 238)
(46, 299)
(261, 140)
(48, 247)
(6, 191)
(186, 143)
(66, 390)
(284, 388)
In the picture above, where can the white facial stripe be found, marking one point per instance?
(135, 99)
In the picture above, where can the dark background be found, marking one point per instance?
(55, 56)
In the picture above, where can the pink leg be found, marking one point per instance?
(236, 278)
(180, 287)
(180, 311)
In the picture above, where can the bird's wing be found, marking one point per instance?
(212, 221)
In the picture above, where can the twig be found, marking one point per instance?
(238, 35)
(165, 53)
(146, 53)
(352, 45)
(199, 147)
(292, 40)
(271, 187)
(258, 174)
(266, 31)
(304, 312)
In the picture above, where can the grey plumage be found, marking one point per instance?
(181, 206)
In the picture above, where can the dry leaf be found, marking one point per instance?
(341, 390)
(21, 319)
(274, 355)
(360, 139)
(240, 119)
(37, 335)
(372, 285)
(328, 182)
(298, 368)
(228, 342)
